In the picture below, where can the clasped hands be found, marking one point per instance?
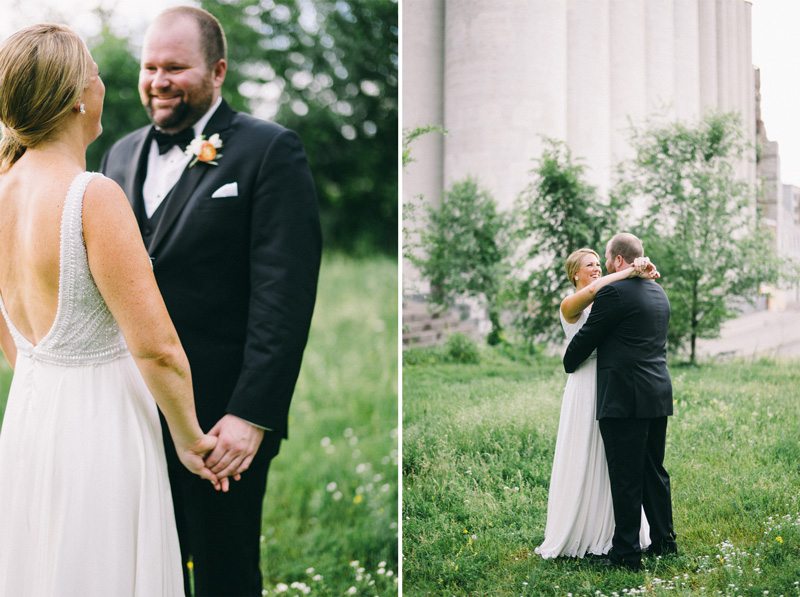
(644, 268)
(225, 452)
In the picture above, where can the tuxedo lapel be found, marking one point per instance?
(191, 177)
(174, 203)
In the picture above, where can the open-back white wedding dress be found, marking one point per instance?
(580, 515)
(85, 504)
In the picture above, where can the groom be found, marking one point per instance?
(628, 327)
(233, 235)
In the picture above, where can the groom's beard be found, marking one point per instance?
(185, 114)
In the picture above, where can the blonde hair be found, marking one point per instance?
(43, 71)
(573, 263)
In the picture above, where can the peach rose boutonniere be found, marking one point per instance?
(204, 150)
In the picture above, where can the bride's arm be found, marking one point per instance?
(573, 305)
(7, 343)
(121, 269)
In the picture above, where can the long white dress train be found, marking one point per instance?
(580, 515)
(85, 505)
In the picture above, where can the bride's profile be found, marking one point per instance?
(85, 508)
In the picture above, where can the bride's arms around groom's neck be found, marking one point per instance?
(573, 304)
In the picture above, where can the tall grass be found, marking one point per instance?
(330, 520)
(478, 445)
(332, 494)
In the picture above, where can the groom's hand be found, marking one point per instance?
(237, 444)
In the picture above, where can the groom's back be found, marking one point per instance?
(632, 375)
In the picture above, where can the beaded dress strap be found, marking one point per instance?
(84, 331)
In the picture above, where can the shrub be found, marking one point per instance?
(461, 349)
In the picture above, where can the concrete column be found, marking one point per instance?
(588, 96)
(628, 74)
(660, 36)
(707, 32)
(423, 105)
(422, 62)
(740, 64)
(725, 58)
(749, 91)
(505, 85)
(687, 60)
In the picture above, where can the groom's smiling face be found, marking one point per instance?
(176, 84)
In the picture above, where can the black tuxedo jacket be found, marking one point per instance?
(238, 273)
(628, 326)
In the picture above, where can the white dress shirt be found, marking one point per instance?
(163, 171)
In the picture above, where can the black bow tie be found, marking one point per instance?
(167, 142)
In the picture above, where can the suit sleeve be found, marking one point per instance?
(606, 313)
(285, 250)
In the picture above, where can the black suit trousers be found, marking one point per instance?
(221, 532)
(635, 454)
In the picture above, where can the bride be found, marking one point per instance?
(580, 518)
(85, 508)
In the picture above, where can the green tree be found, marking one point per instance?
(414, 206)
(332, 65)
(700, 225)
(557, 213)
(122, 109)
(462, 250)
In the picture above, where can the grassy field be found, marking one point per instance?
(478, 443)
(330, 522)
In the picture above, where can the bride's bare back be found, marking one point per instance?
(31, 202)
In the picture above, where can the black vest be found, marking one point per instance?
(148, 226)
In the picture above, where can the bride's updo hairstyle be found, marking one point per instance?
(573, 263)
(43, 72)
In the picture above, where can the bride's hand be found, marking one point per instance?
(644, 268)
(192, 455)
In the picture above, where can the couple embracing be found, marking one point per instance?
(183, 281)
(609, 492)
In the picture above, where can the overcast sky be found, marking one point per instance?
(776, 25)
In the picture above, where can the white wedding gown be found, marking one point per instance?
(85, 504)
(580, 516)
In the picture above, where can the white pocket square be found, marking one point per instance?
(227, 190)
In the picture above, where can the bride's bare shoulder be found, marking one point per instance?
(103, 190)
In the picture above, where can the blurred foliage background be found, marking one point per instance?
(324, 68)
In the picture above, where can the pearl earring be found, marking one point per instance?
(82, 108)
